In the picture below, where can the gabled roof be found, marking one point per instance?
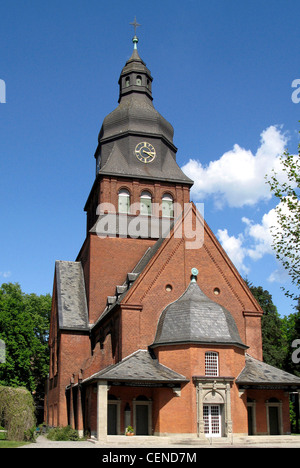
(260, 373)
(194, 318)
(121, 290)
(138, 367)
(71, 296)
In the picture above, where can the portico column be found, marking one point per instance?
(200, 411)
(101, 410)
(79, 411)
(72, 423)
(228, 410)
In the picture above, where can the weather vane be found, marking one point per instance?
(135, 25)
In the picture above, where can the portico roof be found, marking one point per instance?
(258, 373)
(139, 368)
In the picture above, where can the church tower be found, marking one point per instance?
(149, 328)
(136, 157)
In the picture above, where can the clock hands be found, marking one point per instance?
(145, 152)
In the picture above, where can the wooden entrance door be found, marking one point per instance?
(142, 419)
(112, 419)
(273, 420)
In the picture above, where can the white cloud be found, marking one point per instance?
(279, 275)
(253, 244)
(237, 178)
(234, 249)
(5, 274)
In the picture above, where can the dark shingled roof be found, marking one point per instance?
(138, 367)
(194, 318)
(258, 372)
(71, 296)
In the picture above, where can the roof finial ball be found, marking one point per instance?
(194, 275)
(135, 39)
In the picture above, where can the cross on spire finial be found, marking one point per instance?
(135, 25)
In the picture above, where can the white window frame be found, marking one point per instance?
(211, 364)
(167, 206)
(212, 421)
(146, 203)
(125, 195)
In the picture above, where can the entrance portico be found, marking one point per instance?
(130, 385)
(213, 406)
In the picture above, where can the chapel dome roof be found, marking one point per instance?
(194, 318)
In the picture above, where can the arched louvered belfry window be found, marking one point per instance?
(167, 206)
(146, 203)
(124, 201)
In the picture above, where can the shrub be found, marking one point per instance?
(63, 433)
(17, 413)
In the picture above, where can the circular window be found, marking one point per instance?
(216, 291)
(169, 288)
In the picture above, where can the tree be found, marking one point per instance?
(24, 328)
(286, 235)
(275, 346)
(291, 330)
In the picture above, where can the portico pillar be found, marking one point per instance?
(72, 419)
(228, 410)
(79, 412)
(200, 411)
(101, 410)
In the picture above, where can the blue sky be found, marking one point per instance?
(222, 72)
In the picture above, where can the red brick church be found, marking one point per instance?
(152, 326)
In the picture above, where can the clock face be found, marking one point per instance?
(145, 152)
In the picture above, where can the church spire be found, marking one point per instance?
(135, 38)
(135, 77)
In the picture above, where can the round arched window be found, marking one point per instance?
(124, 201)
(146, 203)
(167, 206)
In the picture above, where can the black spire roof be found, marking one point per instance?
(136, 120)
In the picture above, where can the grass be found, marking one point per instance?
(11, 444)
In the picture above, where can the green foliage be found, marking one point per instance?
(293, 417)
(17, 413)
(291, 331)
(129, 429)
(275, 344)
(286, 237)
(278, 333)
(63, 433)
(24, 328)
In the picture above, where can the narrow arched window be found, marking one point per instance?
(127, 81)
(211, 364)
(138, 80)
(146, 203)
(167, 206)
(124, 201)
